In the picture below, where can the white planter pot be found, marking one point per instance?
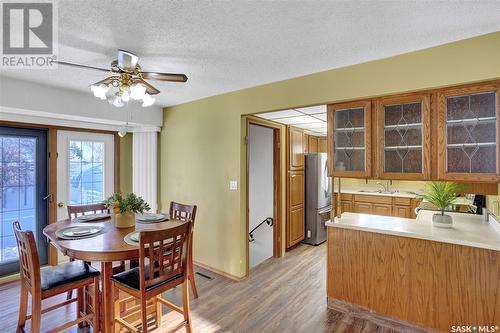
(442, 221)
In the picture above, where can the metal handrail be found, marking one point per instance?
(269, 221)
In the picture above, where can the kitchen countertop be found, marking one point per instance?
(468, 229)
(372, 191)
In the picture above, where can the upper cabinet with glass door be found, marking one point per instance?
(349, 136)
(468, 133)
(403, 137)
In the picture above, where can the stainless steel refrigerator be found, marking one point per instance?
(318, 198)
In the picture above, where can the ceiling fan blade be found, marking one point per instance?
(82, 66)
(106, 81)
(127, 61)
(164, 76)
(149, 88)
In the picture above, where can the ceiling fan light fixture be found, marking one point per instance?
(137, 91)
(116, 101)
(125, 96)
(122, 132)
(99, 90)
(147, 100)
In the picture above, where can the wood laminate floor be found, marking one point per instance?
(281, 295)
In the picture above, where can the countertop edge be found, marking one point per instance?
(411, 235)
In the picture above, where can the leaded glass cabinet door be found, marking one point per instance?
(403, 137)
(468, 133)
(349, 135)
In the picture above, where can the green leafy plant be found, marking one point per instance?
(126, 203)
(442, 194)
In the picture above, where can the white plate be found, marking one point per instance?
(135, 236)
(78, 231)
(152, 217)
(92, 217)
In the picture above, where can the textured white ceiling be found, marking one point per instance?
(229, 45)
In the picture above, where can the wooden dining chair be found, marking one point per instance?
(42, 284)
(184, 212)
(163, 265)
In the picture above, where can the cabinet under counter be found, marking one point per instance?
(414, 272)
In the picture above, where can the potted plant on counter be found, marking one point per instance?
(442, 195)
(125, 207)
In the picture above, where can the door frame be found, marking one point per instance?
(42, 189)
(52, 257)
(277, 181)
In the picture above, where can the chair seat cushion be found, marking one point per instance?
(70, 272)
(130, 278)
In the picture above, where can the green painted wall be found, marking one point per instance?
(126, 163)
(202, 145)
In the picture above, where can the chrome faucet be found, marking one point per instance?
(385, 187)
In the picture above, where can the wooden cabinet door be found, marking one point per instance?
(346, 206)
(349, 131)
(382, 209)
(306, 144)
(322, 146)
(468, 130)
(402, 211)
(404, 132)
(295, 202)
(313, 144)
(297, 227)
(362, 207)
(296, 148)
(414, 204)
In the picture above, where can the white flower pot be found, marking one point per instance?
(442, 221)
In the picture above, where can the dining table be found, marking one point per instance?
(106, 247)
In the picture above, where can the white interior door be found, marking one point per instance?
(85, 169)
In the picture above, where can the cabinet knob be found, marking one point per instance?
(60, 204)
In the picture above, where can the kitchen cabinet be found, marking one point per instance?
(313, 144)
(468, 130)
(322, 145)
(295, 191)
(378, 204)
(295, 148)
(404, 137)
(349, 128)
(295, 203)
(402, 211)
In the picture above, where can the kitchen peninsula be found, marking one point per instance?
(410, 270)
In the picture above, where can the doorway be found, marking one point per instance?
(85, 169)
(263, 192)
(23, 191)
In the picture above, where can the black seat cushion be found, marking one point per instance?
(70, 272)
(130, 278)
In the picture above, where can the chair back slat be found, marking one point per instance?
(77, 210)
(166, 251)
(182, 212)
(29, 264)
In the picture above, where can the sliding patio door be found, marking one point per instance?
(23, 191)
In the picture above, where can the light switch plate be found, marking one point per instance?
(233, 185)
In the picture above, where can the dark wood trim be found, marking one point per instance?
(52, 187)
(276, 187)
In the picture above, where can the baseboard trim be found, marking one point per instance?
(219, 272)
(362, 312)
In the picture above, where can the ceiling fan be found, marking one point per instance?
(128, 76)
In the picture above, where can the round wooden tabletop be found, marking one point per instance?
(108, 245)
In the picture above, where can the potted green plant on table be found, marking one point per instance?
(442, 195)
(125, 207)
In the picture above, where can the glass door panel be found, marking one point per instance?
(471, 126)
(349, 138)
(403, 132)
(23, 186)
